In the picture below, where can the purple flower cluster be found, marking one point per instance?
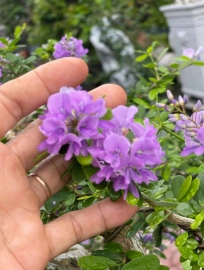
(75, 120)
(69, 47)
(192, 126)
(72, 119)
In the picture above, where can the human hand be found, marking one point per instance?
(25, 243)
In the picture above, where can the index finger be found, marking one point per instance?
(23, 95)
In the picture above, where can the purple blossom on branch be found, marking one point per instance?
(69, 47)
(192, 54)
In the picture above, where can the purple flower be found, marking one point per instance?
(190, 53)
(69, 47)
(1, 73)
(71, 118)
(126, 163)
(194, 134)
(1, 45)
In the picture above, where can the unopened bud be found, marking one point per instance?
(181, 125)
(175, 102)
(181, 101)
(184, 117)
(197, 106)
(174, 117)
(167, 108)
(190, 124)
(169, 95)
(185, 99)
(160, 105)
(190, 134)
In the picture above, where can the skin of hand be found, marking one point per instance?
(25, 243)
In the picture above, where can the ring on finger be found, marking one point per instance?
(43, 183)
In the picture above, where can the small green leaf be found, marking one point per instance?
(11, 57)
(156, 218)
(141, 58)
(134, 254)
(181, 239)
(135, 228)
(194, 187)
(108, 254)
(191, 244)
(78, 173)
(95, 263)
(184, 187)
(142, 102)
(184, 209)
(201, 260)
(89, 171)
(176, 184)
(198, 220)
(108, 115)
(152, 94)
(114, 247)
(198, 63)
(163, 267)
(144, 263)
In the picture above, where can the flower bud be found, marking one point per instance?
(175, 102)
(160, 105)
(169, 95)
(184, 117)
(167, 108)
(181, 125)
(185, 98)
(190, 134)
(190, 124)
(181, 101)
(197, 106)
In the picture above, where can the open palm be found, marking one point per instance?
(25, 243)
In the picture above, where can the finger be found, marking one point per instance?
(50, 171)
(23, 95)
(114, 96)
(80, 225)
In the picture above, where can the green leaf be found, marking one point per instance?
(198, 220)
(184, 209)
(114, 196)
(184, 187)
(191, 244)
(181, 239)
(60, 196)
(95, 263)
(108, 254)
(108, 115)
(174, 65)
(144, 263)
(11, 57)
(198, 63)
(187, 253)
(152, 94)
(89, 171)
(114, 247)
(201, 260)
(202, 228)
(135, 228)
(201, 168)
(141, 58)
(149, 65)
(30, 60)
(78, 173)
(156, 218)
(194, 187)
(142, 102)
(176, 184)
(134, 254)
(17, 31)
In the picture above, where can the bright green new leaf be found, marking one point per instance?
(144, 263)
(184, 188)
(194, 187)
(141, 58)
(181, 239)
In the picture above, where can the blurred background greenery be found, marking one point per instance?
(140, 20)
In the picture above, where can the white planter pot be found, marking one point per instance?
(186, 23)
